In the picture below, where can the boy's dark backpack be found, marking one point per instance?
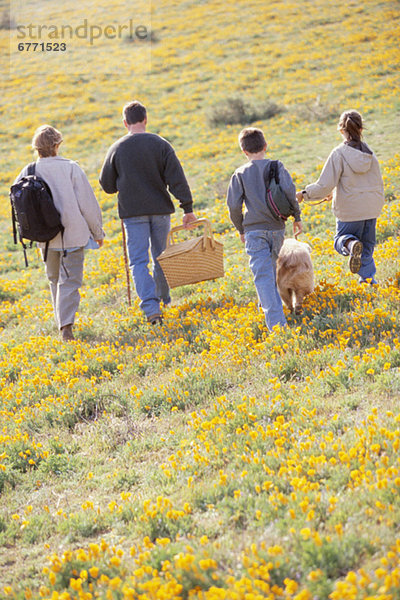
(275, 197)
(33, 212)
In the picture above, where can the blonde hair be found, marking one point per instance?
(351, 122)
(45, 140)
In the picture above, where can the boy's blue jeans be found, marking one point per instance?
(364, 231)
(144, 233)
(263, 247)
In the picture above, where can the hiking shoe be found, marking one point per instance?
(355, 248)
(66, 333)
(155, 319)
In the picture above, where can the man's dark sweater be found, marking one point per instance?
(142, 168)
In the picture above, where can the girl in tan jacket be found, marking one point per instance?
(352, 172)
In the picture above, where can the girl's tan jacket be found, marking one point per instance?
(355, 178)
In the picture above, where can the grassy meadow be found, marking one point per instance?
(205, 459)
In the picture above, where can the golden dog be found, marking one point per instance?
(294, 273)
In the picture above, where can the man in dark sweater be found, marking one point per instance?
(143, 168)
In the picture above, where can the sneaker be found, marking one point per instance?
(66, 333)
(355, 248)
(155, 319)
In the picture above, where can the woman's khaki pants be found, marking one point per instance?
(65, 276)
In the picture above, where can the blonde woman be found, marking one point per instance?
(81, 217)
(352, 171)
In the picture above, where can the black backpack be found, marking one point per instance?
(275, 197)
(33, 211)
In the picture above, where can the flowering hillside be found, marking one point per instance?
(204, 459)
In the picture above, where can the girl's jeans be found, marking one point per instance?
(364, 231)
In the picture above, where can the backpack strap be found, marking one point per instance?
(271, 172)
(46, 249)
(31, 171)
(14, 226)
(31, 168)
(15, 233)
(276, 171)
(64, 254)
(14, 223)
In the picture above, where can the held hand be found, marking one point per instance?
(242, 238)
(99, 242)
(299, 197)
(187, 219)
(297, 228)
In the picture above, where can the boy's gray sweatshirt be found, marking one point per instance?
(252, 193)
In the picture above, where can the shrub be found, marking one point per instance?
(234, 111)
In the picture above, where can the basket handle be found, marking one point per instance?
(207, 231)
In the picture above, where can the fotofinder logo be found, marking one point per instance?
(70, 38)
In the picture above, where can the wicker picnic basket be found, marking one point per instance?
(197, 259)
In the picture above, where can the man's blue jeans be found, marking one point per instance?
(364, 231)
(146, 233)
(263, 247)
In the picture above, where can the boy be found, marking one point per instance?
(262, 233)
